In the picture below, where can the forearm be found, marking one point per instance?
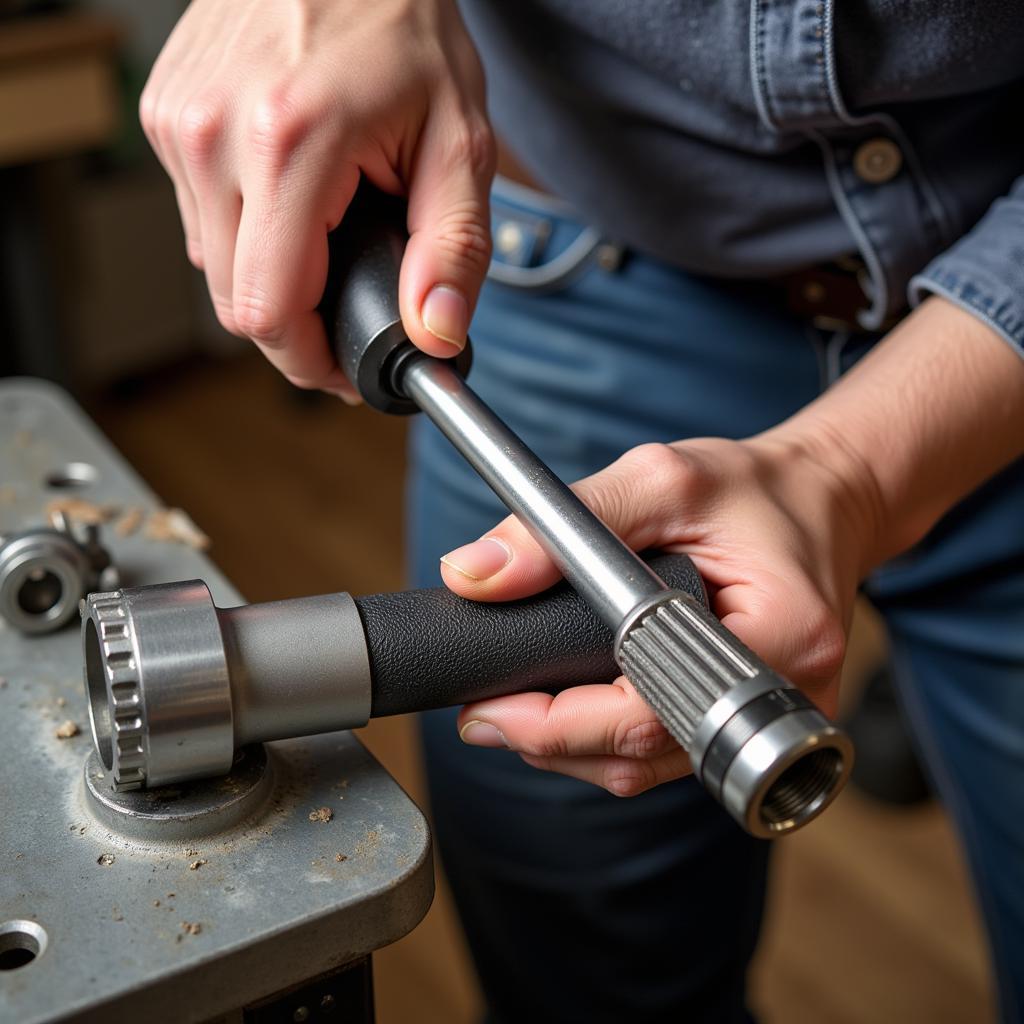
(930, 414)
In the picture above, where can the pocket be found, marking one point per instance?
(539, 244)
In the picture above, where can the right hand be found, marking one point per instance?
(265, 114)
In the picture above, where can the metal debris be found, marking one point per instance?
(66, 730)
(321, 814)
(174, 524)
(79, 510)
(130, 521)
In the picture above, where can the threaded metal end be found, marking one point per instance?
(757, 744)
(802, 791)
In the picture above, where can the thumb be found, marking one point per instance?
(450, 237)
(637, 497)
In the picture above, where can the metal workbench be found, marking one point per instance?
(223, 900)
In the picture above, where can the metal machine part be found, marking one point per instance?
(46, 571)
(218, 900)
(774, 764)
(764, 750)
(176, 684)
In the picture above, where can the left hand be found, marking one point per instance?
(781, 539)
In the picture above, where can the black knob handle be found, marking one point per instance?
(360, 303)
(433, 649)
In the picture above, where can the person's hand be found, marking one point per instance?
(780, 541)
(265, 114)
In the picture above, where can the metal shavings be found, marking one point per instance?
(321, 814)
(197, 864)
(174, 524)
(191, 853)
(340, 858)
(105, 860)
(78, 510)
(130, 521)
(156, 903)
(191, 927)
(66, 730)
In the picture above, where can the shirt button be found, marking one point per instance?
(877, 161)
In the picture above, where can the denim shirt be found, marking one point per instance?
(747, 138)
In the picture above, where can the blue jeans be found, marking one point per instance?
(579, 906)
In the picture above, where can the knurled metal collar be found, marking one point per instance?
(156, 678)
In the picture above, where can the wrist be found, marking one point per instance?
(929, 414)
(836, 484)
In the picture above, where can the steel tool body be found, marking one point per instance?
(756, 742)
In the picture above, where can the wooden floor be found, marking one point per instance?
(870, 919)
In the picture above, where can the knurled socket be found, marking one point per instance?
(755, 741)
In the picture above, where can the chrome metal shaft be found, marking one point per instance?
(611, 579)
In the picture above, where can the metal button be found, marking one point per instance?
(508, 238)
(877, 161)
(609, 257)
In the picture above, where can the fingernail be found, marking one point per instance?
(480, 734)
(479, 560)
(445, 314)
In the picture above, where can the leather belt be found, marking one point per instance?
(828, 296)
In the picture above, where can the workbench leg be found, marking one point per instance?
(344, 995)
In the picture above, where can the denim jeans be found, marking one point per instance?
(579, 906)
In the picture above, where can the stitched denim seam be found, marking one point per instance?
(531, 199)
(557, 272)
(933, 215)
(758, 69)
(872, 318)
(938, 217)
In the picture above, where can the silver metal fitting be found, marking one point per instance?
(757, 744)
(162, 711)
(46, 571)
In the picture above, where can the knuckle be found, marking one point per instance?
(225, 315)
(200, 127)
(164, 125)
(659, 464)
(628, 778)
(147, 111)
(546, 744)
(258, 318)
(825, 650)
(473, 146)
(655, 459)
(278, 124)
(465, 239)
(638, 739)
(194, 251)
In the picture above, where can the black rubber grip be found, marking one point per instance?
(433, 649)
(360, 303)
